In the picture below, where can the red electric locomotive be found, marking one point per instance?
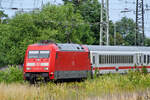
(56, 61)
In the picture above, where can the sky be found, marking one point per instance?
(116, 8)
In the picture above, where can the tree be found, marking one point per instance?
(5, 43)
(3, 17)
(76, 2)
(126, 27)
(90, 11)
(147, 41)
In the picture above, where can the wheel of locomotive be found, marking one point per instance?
(46, 79)
(32, 80)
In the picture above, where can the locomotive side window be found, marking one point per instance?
(38, 54)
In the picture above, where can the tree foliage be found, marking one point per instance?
(77, 21)
(3, 17)
(58, 23)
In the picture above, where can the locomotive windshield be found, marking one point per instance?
(39, 54)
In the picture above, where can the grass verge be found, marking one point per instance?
(132, 86)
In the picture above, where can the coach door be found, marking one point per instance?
(94, 59)
(139, 59)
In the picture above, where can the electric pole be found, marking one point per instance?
(104, 23)
(140, 36)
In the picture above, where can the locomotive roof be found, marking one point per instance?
(70, 47)
(117, 48)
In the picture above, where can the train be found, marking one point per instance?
(54, 61)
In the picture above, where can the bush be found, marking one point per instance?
(144, 70)
(11, 74)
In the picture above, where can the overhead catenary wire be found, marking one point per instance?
(130, 4)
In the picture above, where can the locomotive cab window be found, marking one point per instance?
(33, 54)
(39, 54)
(44, 54)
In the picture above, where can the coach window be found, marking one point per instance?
(129, 59)
(93, 59)
(148, 59)
(125, 59)
(100, 59)
(104, 59)
(145, 59)
(107, 59)
(117, 59)
(132, 59)
(113, 59)
(121, 59)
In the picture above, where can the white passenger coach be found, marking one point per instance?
(119, 59)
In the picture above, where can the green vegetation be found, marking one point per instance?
(11, 74)
(88, 89)
(75, 21)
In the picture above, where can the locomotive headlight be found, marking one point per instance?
(45, 68)
(30, 64)
(44, 64)
(28, 68)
